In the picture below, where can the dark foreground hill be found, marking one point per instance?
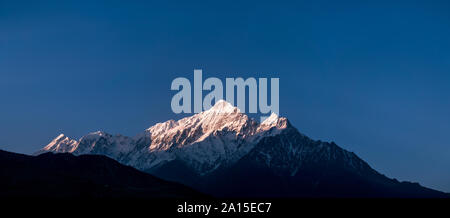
(86, 176)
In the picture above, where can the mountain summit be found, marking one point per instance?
(223, 106)
(223, 152)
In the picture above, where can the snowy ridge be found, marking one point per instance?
(61, 144)
(205, 141)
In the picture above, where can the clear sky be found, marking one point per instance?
(373, 77)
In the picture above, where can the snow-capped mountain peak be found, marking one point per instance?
(61, 143)
(271, 119)
(223, 106)
(204, 141)
(59, 137)
(222, 117)
(94, 136)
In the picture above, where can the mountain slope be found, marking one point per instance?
(85, 176)
(292, 165)
(225, 153)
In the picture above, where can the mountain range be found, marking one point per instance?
(224, 153)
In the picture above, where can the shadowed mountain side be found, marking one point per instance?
(294, 166)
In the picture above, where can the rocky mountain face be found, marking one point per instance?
(223, 152)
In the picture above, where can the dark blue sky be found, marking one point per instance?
(373, 77)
